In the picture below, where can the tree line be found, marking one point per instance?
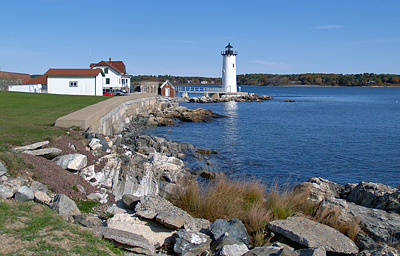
(366, 79)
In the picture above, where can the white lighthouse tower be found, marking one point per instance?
(229, 69)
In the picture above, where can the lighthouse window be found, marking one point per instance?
(233, 65)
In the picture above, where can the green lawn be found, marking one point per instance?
(30, 117)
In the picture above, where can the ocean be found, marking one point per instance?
(343, 134)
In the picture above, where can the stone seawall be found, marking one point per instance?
(110, 116)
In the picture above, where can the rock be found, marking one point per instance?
(80, 219)
(24, 194)
(233, 250)
(81, 189)
(151, 230)
(37, 186)
(73, 162)
(94, 197)
(88, 172)
(130, 201)
(3, 169)
(64, 205)
(48, 153)
(194, 117)
(191, 241)
(42, 197)
(103, 142)
(160, 209)
(234, 228)
(270, 250)
(313, 234)
(376, 195)
(98, 197)
(222, 241)
(31, 146)
(93, 220)
(384, 251)
(320, 189)
(379, 224)
(95, 144)
(311, 252)
(126, 240)
(6, 192)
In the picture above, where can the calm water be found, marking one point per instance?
(342, 134)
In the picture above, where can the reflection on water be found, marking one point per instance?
(229, 135)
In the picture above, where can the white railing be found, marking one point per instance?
(197, 89)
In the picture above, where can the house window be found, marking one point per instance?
(107, 80)
(73, 83)
(123, 81)
(105, 70)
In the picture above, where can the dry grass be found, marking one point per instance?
(331, 217)
(256, 205)
(248, 201)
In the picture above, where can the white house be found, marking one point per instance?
(75, 81)
(35, 85)
(115, 75)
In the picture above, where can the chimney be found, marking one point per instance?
(109, 60)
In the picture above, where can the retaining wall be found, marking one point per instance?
(110, 116)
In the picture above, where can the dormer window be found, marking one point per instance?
(105, 70)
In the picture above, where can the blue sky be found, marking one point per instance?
(185, 38)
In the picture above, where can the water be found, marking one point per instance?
(342, 134)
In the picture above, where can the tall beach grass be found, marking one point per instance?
(255, 204)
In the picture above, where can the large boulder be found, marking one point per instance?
(65, 206)
(275, 251)
(37, 186)
(42, 197)
(9, 186)
(130, 201)
(320, 188)
(313, 235)
(24, 194)
(233, 228)
(189, 241)
(379, 224)
(74, 162)
(375, 195)
(48, 153)
(163, 211)
(129, 241)
(153, 231)
(31, 146)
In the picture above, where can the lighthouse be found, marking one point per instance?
(229, 69)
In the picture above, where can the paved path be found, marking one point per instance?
(87, 116)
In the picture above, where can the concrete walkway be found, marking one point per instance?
(90, 115)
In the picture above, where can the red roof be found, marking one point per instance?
(36, 80)
(72, 72)
(117, 65)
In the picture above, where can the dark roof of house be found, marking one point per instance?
(36, 80)
(119, 66)
(72, 72)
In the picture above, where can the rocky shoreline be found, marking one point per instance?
(132, 175)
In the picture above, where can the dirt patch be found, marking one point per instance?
(57, 179)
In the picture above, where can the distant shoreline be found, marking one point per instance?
(292, 85)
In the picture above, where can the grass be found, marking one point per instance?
(86, 206)
(30, 117)
(27, 228)
(254, 204)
